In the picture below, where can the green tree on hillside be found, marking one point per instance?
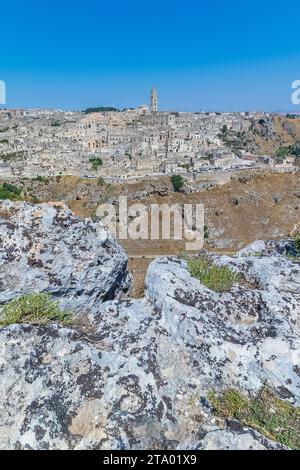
(177, 182)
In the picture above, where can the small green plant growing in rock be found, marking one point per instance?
(296, 240)
(267, 413)
(183, 255)
(217, 278)
(37, 309)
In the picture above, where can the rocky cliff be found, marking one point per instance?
(136, 374)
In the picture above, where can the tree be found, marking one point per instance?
(177, 182)
(96, 162)
(224, 130)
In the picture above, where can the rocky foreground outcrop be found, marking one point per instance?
(136, 374)
(44, 248)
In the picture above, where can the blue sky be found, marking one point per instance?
(219, 55)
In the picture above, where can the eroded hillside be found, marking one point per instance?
(251, 206)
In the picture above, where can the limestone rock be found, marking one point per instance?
(135, 374)
(244, 440)
(45, 248)
(58, 390)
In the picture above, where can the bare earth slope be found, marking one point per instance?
(251, 206)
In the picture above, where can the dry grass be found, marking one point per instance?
(268, 414)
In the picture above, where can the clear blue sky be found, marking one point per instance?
(225, 55)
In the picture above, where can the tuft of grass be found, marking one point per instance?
(292, 258)
(268, 414)
(37, 309)
(217, 278)
(296, 240)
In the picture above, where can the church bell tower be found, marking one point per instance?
(153, 99)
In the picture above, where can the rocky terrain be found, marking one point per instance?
(271, 201)
(46, 248)
(136, 374)
(264, 136)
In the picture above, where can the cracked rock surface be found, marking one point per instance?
(45, 248)
(135, 374)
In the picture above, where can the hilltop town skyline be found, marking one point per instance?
(97, 106)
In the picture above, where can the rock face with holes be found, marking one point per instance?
(62, 390)
(45, 248)
(135, 374)
(242, 338)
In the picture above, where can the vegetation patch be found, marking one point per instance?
(101, 109)
(13, 156)
(9, 191)
(296, 241)
(177, 182)
(284, 152)
(268, 414)
(41, 179)
(96, 163)
(217, 278)
(34, 199)
(37, 309)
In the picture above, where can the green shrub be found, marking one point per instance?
(9, 191)
(37, 309)
(268, 414)
(39, 178)
(217, 278)
(96, 162)
(100, 181)
(35, 199)
(297, 242)
(177, 182)
(11, 188)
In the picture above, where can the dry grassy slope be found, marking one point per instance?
(268, 206)
(250, 207)
(283, 137)
(83, 195)
(286, 138)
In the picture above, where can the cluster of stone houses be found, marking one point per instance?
(129, 144)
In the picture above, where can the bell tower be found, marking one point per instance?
(153, 100)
